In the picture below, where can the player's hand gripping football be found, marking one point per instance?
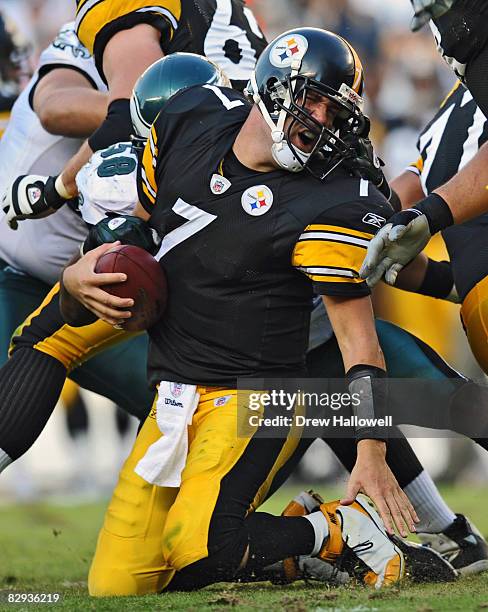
(82, 282)
(372, 476)
(32, 197)
(395, 245)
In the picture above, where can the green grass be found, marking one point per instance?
(47, 548)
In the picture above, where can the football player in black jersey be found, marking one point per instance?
(248, 234)
(459, 27)
(127, 36)
(447, 143)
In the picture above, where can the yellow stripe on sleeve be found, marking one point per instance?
(327, 253)
(417, 166)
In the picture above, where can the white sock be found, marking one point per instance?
(433, 512)
(4, 460)
(307, 501)
(321, 528)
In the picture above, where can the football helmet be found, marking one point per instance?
(163, 79)
(297, 64)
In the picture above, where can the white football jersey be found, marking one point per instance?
(108, 183)
(41, 247)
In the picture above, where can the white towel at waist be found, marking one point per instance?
(165, 459)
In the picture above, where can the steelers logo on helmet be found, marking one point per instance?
(257, 201)
(291, 75)
(287, 49)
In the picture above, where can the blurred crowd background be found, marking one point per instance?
(405, 82)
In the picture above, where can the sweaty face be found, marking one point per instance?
(304, 135)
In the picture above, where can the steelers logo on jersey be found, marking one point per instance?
(256, 201)
(287, 49)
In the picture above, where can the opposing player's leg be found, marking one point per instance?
(46, 349)
(119, 373)
(20, 294)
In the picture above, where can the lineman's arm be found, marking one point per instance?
(422, 275)
(67, 104)
(126, 56)
(123, 50)
(466, 192)
(463, 197)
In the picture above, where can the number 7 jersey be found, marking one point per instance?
(243, 251)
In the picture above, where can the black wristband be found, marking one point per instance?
(437, 211)
(367, 384)
(117, 126)
(51, 196)
(438, 280)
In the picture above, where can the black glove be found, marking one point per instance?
(363, 162)
(125, 228)
(31, 197)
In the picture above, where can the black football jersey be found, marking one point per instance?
(446, 144)
(245, 252)
(225, 31)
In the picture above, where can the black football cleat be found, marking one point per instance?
(424, 564)
(461, 544)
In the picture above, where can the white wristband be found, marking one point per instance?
(61, 189)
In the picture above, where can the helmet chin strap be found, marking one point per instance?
(280, 149)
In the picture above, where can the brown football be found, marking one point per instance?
(145, 284)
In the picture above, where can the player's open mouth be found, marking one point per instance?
(307, 138)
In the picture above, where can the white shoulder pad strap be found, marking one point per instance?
(67, 49)
(108, 183)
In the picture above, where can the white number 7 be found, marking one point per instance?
(197, 220)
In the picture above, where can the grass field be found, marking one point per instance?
(47, 548)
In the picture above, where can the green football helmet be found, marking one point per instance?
(163, 79)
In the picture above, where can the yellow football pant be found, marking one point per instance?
(474, 314)
(45, 330)
(150, 531)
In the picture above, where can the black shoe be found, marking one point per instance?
(424, 564)
(461, 544)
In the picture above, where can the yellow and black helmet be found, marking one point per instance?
(296, 63)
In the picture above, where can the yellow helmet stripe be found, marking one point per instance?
(358, 68)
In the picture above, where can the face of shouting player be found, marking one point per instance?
(323, 110)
